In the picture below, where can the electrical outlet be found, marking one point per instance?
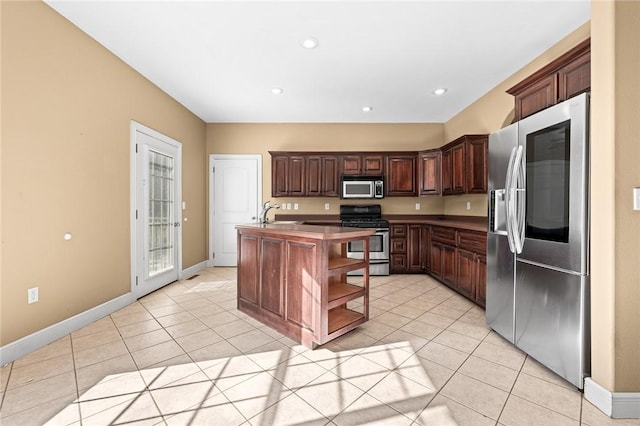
(417, 206)
(288, 206)
(327, 206)
(468, 205)
(295, 206)
(32, 295)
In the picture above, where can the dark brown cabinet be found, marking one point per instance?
(401, 175)
(429, 177)
(567, 76)
(322, 176)
(415, 249)
(453, 168)
(398, 248)
(476, 161)
(472, 265)
(464, 165)
(362, 164)
(288, 176)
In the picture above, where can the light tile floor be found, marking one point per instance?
(185, 355)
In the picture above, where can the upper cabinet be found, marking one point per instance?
(401, 174)
(288, 176)
(459, 167)
(567, 76)
(362, 164)
(464, 165)
(429, 180)
(322, 176)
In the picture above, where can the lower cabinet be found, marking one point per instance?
(454, 256)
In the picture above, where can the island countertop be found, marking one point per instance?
(317, 232)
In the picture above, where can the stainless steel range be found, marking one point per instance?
(368, 216)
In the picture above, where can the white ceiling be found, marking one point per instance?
(221, 59)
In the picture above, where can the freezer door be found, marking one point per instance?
(500, 259)
(552, 320)
(500, 286)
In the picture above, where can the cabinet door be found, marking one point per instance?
(279, 176)
(435, 254)
(448, 259)
(575, 78)
(447, 187)
(426, 248)
(350, 164)
(414, 248)
(480, 295)
(401, 176)
(466, 273)
(458, 169)
(297, 176)
(314, 176)
(330, 175)
(538, 96)
(476, 170)
(373, 164)
(429, 173)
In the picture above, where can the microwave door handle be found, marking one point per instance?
(507, 201)
(517, 180)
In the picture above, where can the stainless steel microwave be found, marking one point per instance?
(363, 187)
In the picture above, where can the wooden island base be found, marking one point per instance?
(293, 278)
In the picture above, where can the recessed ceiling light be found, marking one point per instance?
(309, 43)
(277, 91)
(440, 91)
(367, 109)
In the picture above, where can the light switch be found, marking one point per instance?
(327, 206)
(184, 205)
(295, 206)
(636, 198)
(288, 206)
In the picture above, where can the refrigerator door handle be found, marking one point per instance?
(517, 201)
(508, 196)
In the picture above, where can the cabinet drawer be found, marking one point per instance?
(398, 245)
(398, 230)
(445, 235)
(473, 241)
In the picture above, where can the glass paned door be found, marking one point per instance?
(160, 235)
(157, 210)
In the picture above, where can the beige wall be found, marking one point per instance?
(494, 111)
(261, 138)
(615, 236)
(67, 104)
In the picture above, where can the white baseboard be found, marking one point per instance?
(618, 405)
(192, 270)
(30, 343)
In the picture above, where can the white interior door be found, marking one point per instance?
(157, 213)
(234, 199)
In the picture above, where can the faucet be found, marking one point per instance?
(262, 218)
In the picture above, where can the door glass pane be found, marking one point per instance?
(547, 183)
(160, 231)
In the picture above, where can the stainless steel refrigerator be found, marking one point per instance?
(538, 238)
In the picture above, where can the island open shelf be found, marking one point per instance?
(293, 278)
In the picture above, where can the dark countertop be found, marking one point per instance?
(471, 223)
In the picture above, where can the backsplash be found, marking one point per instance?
(390, 205)
(465, 205)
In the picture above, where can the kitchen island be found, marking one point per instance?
(293, 278)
